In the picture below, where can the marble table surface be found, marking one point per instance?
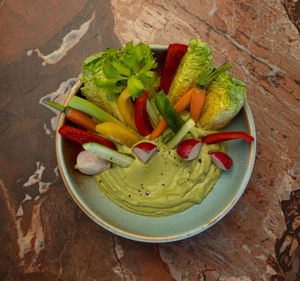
(45, 236)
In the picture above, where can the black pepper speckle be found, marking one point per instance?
(129, 195)
(199, 160)
(147, 193)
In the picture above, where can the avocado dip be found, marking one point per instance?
(163, 186)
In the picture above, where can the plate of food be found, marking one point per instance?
(155, 142)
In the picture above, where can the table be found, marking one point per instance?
(45, 236)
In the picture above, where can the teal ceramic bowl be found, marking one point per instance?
(192, 221)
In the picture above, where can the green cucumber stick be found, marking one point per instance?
(168, 111)
(91, 109)
(108, 154)
(185, 128)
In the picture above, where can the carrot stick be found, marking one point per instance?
(182, 104)
(198, 95)
(197, 101)
(80, 119)
(184, 101)
(162, 125)
(76, 116)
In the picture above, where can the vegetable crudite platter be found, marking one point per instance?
(155, 142)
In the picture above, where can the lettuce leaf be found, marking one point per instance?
(197, 59)
(98, 96)
(225, 97)
(92, 67)
(131, 66)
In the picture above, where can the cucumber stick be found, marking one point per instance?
(108, 154)
(168, 112)
(91, 109)
(188, 124)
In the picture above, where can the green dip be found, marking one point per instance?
(163, 186)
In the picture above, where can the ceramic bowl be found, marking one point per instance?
(192, 221)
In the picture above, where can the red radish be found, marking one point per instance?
(90, 164)
(189, 149)
(144, 150)
(221, 160)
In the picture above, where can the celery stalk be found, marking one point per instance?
(54, 105)
(91, 109)
(152, 114)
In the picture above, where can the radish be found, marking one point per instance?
(221, 160)
(144, 150)
(189, 149)
(90, 164)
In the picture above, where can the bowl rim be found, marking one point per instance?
(149, 238)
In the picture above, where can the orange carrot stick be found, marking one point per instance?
(80, 119)
(197, 101)
(162, 125)
(182, 104)
(76, 116)
(184, 101)
(198, 96)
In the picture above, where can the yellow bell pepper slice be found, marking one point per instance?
(126, 108)
(118, 133)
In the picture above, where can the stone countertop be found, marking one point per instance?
(45, 236)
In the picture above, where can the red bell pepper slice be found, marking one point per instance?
(81, 136)
(141, 116)
(174, 55)
(225, 136)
